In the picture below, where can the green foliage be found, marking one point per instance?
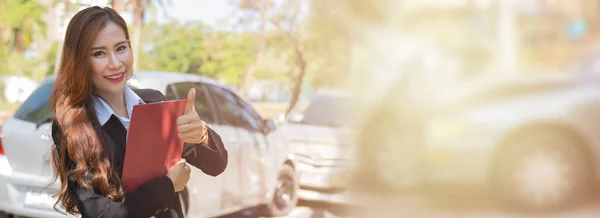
(21, 23)
(50, 59)
(196, 48)
(24, 20)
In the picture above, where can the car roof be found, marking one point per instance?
(159, 80)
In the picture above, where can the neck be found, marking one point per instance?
(116, 101)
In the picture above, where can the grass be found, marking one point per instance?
(10, 107)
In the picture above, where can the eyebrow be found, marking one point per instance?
(102, 47)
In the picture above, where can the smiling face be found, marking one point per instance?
(111, 60)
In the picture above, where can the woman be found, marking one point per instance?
(93, 104)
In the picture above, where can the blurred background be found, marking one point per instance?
(389, 108)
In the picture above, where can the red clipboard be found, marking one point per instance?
(153, 145)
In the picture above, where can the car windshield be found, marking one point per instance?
(325, 111)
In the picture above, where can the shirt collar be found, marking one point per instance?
(104, 111)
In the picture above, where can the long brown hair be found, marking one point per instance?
(82, 145)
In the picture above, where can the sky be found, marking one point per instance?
(207, 11)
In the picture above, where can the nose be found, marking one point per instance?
(114, 62)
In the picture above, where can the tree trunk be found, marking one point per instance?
(301, 61)
(139, 9)
(263, 9)
(59, 50)
(118, 5)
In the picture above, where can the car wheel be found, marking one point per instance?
(392, 152)
(399, 160)
(543, 170)
(285, 198)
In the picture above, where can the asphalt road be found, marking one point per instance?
(305, 210)
(465, 205)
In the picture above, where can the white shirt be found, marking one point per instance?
(104, 111)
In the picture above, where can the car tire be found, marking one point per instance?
(543, 170)
(391, 153)
(285, 198)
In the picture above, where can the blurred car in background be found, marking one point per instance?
(533, 142)
(259, 172)
(319, 139)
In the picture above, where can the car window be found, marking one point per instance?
(180, 90)
(325, 112)
(229, 108)
(251, 118)
(37, 106)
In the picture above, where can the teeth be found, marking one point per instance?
(114, 77)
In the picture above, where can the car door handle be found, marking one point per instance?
(46, 137)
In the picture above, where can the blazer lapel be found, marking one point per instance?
(113, 126)
(116, 130)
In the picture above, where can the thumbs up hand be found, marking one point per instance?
(190, 127)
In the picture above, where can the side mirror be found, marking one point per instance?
(279, 119)
(270, 125)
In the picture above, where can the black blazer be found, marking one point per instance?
(155, 198)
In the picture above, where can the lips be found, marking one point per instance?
(115, 77)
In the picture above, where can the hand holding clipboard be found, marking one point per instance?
(155, 141)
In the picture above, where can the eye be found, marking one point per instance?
(121, 48)
(98, 54)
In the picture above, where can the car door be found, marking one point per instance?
(204, 191)
(227, 117)
(260, 150)
(253, 147)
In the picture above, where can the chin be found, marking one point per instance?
(112, 88)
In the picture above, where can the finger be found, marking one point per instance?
(190, 137)
(186, 119)
(186, 128)
(191, 98)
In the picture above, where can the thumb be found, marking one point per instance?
(191, 97)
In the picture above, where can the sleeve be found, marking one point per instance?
(211, 157)
(154, 197)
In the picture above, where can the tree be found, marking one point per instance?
(23, 19)
(289, 24)
(197, 48)
(263, 8)
(118, 5)
(139, 8)
(20, 23)
(139, 11)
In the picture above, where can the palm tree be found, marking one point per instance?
(21, 22)
(24, 20)
(139, 13)
(263, 7)
(117, 5)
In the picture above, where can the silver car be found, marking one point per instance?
(319, 138)
(259, 172)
